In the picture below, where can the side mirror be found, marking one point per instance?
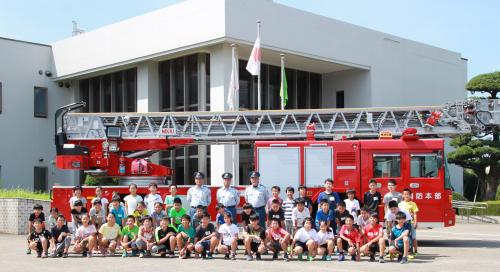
(439, 162)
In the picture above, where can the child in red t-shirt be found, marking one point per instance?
(374, 234)
(277, 239)
(349, 239)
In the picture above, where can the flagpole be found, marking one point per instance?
(258, 76)
(233, 51)
(281, 89)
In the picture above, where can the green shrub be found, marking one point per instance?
(95, 181)
(23, 193)
(457, 196)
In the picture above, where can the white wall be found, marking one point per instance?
(162, 31)
(403, 72)
(24, 138)
(356, 86)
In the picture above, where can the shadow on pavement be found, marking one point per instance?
(460, 243)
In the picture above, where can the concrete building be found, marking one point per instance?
(179, 59)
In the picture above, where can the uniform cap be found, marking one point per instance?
(78, 203)
(96, 201)
(199, 175)
(254, 174)
(227, 175)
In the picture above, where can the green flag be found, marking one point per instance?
(284, 86)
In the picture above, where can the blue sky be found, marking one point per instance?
(469, 27)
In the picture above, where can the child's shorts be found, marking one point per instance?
(413, 232)
(254, 246)
(275, 246)
(205, 245)
(302, 245)
(289, 227)
(325, 246)
(345, 244)
(374, 248)
(160, 248)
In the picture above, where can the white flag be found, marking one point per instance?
(253, 65)
(234, 84)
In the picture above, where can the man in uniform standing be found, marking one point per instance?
(257, 195)
(228, 195)
(199, 194)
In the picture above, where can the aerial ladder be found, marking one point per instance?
(108, 143)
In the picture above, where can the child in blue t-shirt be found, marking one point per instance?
(118, 211)
(325, 214)
(399, 242)
(221, 210)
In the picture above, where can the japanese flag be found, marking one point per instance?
(253, 65)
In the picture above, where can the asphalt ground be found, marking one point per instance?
(464, 247)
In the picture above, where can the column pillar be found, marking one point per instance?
(221, 156)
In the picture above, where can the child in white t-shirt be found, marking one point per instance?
(152, 198)
(132, 199)
(326, 237)
(305, 240)
(229, 237)
(352, 204)
(299, 214)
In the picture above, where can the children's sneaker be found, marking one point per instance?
(84, 254)
(328, 257)
(148, 253)
(89, 255)
(258, 257)
(285, 257)
(341, 257)
(124, 254)
(249, 257)
(400, 258)
(54, 255)
(299, 257)
(353, 257)
(210, 255)
(275, 256)
(65, 255)
(171, 254)
(404, 260)
(226, 256)
(45, 255)
(310, 258)
(233, 256)
(381, 259)
(28, 251)
(141, 255)
(134, 253)
(372, 258)
(411, 256)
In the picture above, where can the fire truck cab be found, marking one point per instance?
(417, 164)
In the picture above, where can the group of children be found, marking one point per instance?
(146, 226)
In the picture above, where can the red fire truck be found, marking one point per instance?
(292, 148)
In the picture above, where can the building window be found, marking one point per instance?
(182, 83)
(1, 97)
(40, 179)
(116, 92)
(304, 88)
(40, 106)
(339, 98)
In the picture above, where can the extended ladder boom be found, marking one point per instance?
(477, 116)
